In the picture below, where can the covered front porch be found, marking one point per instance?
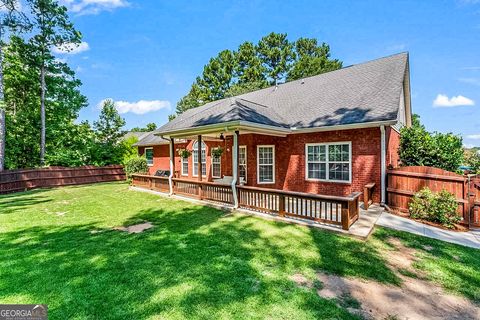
(228, 184)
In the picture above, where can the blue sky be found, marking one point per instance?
(146, 54)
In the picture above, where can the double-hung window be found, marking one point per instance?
(184, 166)
(329, 161)
(203, 159)
(149, 156)
(216, 166)
(266, 164)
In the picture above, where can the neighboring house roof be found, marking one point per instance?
(139, 135)
(150, 139)
(367, 92)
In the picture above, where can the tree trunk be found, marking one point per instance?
(2, 107)
(2, 138)
(42, 116)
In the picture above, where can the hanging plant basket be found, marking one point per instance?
(184, 153)
(217, 152)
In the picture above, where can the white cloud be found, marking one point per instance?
(139, 107)
(473, 81)
(72, 48)
(82, 7)
(443, 100)
(473, 136)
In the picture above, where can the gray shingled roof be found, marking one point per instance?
(150, 139)
(366, 92)
(137, 134)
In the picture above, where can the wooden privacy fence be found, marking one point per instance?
(342, 211)
(20, 180)
(404, 182)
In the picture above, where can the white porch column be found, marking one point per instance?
(172, 165)
(235, 168)
(383, 165)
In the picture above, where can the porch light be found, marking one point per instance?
(221, 136)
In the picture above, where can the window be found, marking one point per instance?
(149, 156)
(266, 164)
(184, 166)
(329, 161)
(195, 159)
(216, 167)
(242, 162)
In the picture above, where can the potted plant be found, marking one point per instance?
(217, 152)
(184, 153)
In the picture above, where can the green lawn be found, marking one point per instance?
(57, 247)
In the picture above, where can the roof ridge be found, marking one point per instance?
(324, 73)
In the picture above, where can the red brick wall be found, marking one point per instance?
(393, 143)
(161, 157)
(290, 159)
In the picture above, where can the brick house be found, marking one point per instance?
(329, 134)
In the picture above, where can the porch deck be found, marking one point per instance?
(333, 210)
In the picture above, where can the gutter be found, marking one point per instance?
(246, 125)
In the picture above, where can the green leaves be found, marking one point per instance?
(440, 207)
(277, 55)
(418, 147)
(273, 60)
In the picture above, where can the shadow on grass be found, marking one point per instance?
(195, 262)
(10, 203)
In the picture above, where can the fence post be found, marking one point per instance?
(281, 205)
(200, 191)
(345, 215)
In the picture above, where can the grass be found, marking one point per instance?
(57, 247)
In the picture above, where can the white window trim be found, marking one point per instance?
(181, 163)
(327, 161)
(195, 163)
(145, 153)
(246, 162)
(219, 162)
(258, 163)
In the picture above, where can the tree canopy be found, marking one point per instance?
(27, 59)
(418, 147)
(274, 59)
(149, 127)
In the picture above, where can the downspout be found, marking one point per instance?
(235, 169)
(172, 166)
(383, 164)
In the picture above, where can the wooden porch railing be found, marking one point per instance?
(200, 190)
(342, 211)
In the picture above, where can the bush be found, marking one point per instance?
(418, 147)
(438, 207)
(136, 164)
(472, 159)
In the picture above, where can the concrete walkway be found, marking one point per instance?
(468, 239)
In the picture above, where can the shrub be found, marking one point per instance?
(438, 207)
(136, 164)
(418, 147)
(472, 159)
